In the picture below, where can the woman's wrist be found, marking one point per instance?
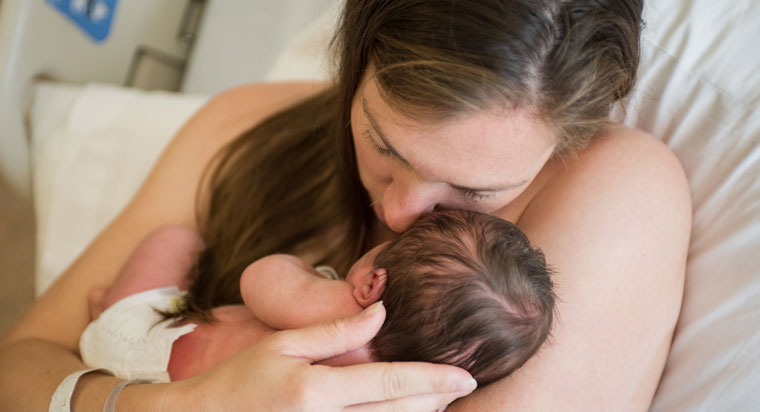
(64, 393)
(93, 390)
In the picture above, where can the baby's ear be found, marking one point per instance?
(373, 287)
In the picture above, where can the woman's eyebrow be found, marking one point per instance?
(380, 133)
(373, 122)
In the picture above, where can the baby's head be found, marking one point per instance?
(461, 288)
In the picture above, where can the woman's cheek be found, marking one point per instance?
(373, 169)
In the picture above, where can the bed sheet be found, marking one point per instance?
(698, 92)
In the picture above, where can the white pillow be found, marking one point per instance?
(92, 147)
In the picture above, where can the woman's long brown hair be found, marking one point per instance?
(290, 184)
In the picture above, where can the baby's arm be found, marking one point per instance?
(285, 293)
(164, 258)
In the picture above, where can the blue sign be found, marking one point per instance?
(94, 17)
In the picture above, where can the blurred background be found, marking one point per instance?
(196, 47)
(16, 256)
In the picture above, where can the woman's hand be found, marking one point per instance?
(277, 375)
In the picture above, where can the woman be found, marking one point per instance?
(495, 106)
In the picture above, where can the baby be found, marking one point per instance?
(461, 288)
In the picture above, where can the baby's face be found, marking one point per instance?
(361, 268)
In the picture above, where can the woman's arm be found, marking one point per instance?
(59, 316)
(615, 224)
(41, 349)
(285, 293)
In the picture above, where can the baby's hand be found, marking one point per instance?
(95, 301)
(210, 344)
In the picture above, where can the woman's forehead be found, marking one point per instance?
(497, 147)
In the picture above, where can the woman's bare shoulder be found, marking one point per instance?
(621, 165)
(614, 223)
(245, 105)
(235, 110)
(626, 191)
(632, 153)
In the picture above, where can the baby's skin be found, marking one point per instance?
(279, 291)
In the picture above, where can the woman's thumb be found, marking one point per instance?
(331, 338)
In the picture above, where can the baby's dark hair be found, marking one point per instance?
(465, 289)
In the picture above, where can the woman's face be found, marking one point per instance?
(480, 161)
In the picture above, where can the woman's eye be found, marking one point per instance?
(382, 150)
(475, 196)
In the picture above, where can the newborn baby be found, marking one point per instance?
(462, 288)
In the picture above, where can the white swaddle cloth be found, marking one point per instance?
(328, 272)
(130, 339)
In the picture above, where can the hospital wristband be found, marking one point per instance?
(114, 395)
(61, 399)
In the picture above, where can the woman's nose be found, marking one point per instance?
(403, 203)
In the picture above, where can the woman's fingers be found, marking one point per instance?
(398, 386)
(400, 380)
(327, 339)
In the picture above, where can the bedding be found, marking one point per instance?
(698, 91)
(92, 146)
